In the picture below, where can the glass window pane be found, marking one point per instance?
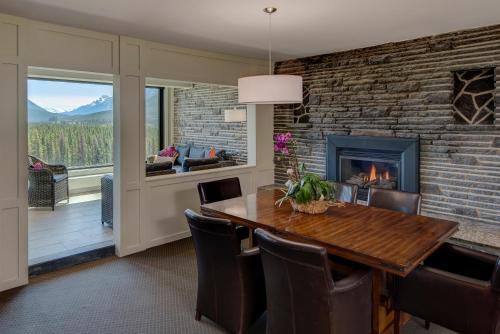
(70, 123)
(153, 109)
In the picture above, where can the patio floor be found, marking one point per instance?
(69, 229)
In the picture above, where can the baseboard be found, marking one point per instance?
(169, 238)
(71, 260)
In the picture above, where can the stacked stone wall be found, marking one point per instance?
(406, 89)
(199, 119)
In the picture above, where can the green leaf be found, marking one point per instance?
(319, 190)
(308, 193)
(302, 168)
(299, 196)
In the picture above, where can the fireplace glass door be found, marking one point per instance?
(369, 172)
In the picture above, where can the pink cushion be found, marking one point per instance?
(168, 152)
(38, 165)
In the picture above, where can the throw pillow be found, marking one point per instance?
(38, 165)
(197, 153)
(183, 153)
(212, 153)
(168, 152)
(151, 159)
(161, 159)
(221, 154)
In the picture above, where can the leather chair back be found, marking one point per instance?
(298, 285)
(216, 246)
(219, 190)
(456, 287)
(495, 281)
(347, 192)
(395, 200)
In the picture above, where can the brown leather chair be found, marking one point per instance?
(302, 296)
(221, 190)
(395, 200)
(231, 288)
(347, 192)
(456, 288)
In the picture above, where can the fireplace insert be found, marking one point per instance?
(389, 163)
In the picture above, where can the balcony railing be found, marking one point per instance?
(87, 179)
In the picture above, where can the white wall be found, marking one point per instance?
(158, 203)
(147, 212)
(13, 170)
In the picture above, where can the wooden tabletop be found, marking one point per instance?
(387, 240)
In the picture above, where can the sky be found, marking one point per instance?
(61, 96)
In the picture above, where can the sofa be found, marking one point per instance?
(160, 168)
(193, 158)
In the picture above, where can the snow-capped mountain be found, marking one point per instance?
(54, 110)
(38, 114)
(104, 103)
(99, 111)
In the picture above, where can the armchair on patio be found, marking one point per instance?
(48, 184)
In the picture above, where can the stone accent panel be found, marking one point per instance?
(474, 101)
(406, 89)
(199, 119)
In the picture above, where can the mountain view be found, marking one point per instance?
(99, 111)
(83, 136)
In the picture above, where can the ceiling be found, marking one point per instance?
(300, 27)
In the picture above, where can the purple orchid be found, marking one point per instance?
(285, 145)
(282, 141)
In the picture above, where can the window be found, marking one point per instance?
(70, 122)
(192, 118)
(154, 120)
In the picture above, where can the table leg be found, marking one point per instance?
(251, 242)
(382, 317)
(376, 293)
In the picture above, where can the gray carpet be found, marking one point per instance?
(150, 292)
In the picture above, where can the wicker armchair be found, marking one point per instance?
(107, 199)
(47, 186)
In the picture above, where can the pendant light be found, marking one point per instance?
(270, 89)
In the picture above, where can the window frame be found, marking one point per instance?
(161, 114)
(73, 80)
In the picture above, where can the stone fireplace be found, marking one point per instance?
(390, 163)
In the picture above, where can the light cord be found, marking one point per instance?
(270, 45)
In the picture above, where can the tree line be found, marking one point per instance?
(79, 145)
(73, 145)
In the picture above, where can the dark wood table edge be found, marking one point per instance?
(401, 271)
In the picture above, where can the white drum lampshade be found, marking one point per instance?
(270, 89)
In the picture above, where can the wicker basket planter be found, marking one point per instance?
(312, 208)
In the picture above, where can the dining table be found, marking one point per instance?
(389, 242)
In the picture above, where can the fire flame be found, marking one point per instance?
(373, 173)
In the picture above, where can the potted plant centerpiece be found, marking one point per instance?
(306, 191)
